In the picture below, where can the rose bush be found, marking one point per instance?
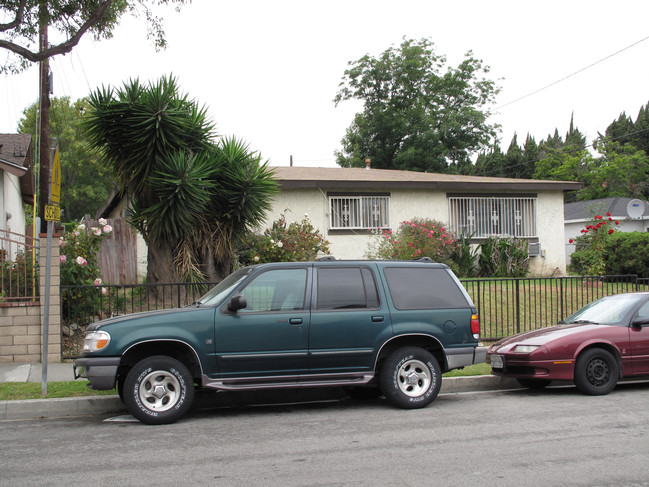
(589, 256)
(79, 267)
(415, 238)
(284, 242)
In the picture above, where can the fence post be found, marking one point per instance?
(518, 306)
(54, 323)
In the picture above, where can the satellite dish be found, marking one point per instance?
(635, 209)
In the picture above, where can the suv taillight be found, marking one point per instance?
(475, 327)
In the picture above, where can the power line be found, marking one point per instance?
(571, 75)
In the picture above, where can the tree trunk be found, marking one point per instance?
(160, 264)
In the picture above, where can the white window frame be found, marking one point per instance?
(359, 212)
(487, 216)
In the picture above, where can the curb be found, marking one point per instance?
(98, 405)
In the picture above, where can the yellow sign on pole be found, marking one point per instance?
(55, 191)
(52, 213)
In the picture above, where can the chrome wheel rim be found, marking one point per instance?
(160, 390)
(414, 378)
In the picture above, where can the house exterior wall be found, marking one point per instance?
(408, 204)
(12, 210)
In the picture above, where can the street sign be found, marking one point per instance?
(52, 213)
(55, 191)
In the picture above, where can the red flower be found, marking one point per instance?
(608, 214)
(610, 231)
(570, 241)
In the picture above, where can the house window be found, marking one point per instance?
(359, 212)
(486, 216)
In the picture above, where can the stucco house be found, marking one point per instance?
(346, 204)
(632, 215)
(17, 185)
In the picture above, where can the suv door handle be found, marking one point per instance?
(377, 319)
(295, 321)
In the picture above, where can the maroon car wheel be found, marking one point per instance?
(596, 372)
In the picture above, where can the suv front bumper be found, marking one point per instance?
(101, 372)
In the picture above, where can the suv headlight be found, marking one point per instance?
(95, 341)
(525, 348)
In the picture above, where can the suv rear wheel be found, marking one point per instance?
(410, 378)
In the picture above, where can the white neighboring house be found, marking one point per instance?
(16, 182)
(346, 204)
(632, 215)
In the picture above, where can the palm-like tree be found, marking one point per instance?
(192, 196)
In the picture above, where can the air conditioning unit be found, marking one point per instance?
(534, 249)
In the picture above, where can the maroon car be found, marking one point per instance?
(603, 342)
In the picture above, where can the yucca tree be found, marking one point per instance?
(192, 195)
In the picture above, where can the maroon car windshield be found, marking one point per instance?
(610, 310)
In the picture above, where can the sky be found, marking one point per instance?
(267, 72)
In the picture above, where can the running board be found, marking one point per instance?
(292, 382)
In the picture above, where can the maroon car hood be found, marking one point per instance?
(545, 335)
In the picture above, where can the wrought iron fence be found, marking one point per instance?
(18, 268)
(516, 305)
(505, 306)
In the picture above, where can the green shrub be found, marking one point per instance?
(627, 253)
(588, 258)
(414, 239)
(79, 267)
(293, 242)
(465, 257)
(503, 257)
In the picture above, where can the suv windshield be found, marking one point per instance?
(218, 293)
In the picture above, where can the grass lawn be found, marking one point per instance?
(10, 391)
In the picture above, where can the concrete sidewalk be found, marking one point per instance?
(56, 372)
(98, 405)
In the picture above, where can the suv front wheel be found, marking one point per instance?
(410, 378)
(158, 390)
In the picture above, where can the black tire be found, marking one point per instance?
(158, 390)
(410, 378)
(120, 388)
(596, 372)
(535, 384)
(363, 393)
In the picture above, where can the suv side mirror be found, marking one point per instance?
(237, 302)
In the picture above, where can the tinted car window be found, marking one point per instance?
(346, 287)
(423, 288)
(276, 290)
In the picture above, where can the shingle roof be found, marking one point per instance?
(583, 210)
(358, 178)
(14, 150)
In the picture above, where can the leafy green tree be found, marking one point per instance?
(418, 114)
(192, 197)
(618, 171)
(627, 132)
(71, 20)
(85, 183)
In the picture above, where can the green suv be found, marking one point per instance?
(375, 327)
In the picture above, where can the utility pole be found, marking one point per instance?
(44, 136)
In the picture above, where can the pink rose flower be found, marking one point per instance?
(62, 258)
(97, 282)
